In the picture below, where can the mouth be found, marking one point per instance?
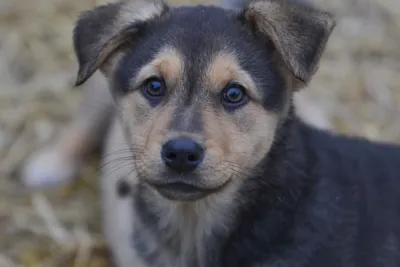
(180, 191)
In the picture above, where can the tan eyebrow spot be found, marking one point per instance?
(225, 68)
(168, 64)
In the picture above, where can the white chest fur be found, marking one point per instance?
(180, 234)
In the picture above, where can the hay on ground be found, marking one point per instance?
(358, 85)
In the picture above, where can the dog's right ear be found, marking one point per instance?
(102, 30)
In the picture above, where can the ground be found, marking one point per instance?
(357, 85)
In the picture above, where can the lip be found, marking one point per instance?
(181, 191)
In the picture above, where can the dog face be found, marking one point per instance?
(201, 90)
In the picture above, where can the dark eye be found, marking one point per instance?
(154, 89)
(234, 96)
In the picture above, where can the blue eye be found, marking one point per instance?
(234, 96)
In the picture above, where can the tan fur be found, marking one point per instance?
(225, 68)
(236, 137)
(147, 124)
(168, 64)
(229, 138)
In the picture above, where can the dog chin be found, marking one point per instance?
(182, 191)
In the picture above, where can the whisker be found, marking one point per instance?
(110, 172)
(115, 160)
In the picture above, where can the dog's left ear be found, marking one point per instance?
(101, 31)
(298, 32)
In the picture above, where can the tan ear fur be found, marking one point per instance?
(298, 31)
(100, 31)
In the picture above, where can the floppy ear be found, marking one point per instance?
(101, 31)
(298, 32)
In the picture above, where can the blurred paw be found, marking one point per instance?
(48, 167)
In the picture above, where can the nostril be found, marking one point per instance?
(193, 158)
(170, 155)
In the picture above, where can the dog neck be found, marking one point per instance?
(184, 228)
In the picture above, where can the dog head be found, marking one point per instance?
(201, 90)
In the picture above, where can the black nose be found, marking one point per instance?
(182, 154)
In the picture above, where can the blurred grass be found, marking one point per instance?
(358, 85)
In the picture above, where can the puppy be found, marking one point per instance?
(59, 162)
(210, 164)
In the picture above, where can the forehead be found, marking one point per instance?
(200, 34)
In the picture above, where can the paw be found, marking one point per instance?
(48, 167)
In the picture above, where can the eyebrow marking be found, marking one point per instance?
(167, 64)
(225, 68)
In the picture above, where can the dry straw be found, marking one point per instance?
(357, 86)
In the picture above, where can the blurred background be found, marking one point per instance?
(356, 92)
